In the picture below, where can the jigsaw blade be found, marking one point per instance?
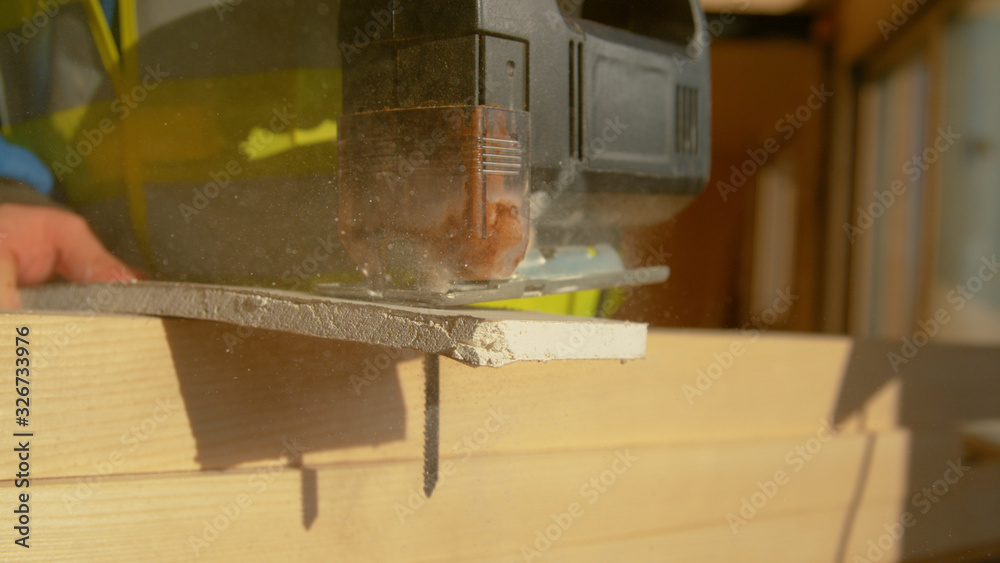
(431, 421)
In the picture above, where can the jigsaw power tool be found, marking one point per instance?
(443, 152)
(497, 148)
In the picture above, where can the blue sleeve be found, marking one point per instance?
(18, 163)
(109, 7)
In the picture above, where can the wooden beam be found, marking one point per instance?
(198, 395)
(147, 431)
(495, 507)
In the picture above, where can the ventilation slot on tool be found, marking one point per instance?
(687, 120)
(501, 156)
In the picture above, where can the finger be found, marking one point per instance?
(80, 256)
(9, 298)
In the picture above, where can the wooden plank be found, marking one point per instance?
(232, 397)
(492, 507)
(185, 395)
(148, 430)
(961, 526)
(804, 537)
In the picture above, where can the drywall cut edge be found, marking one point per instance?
(476, 337)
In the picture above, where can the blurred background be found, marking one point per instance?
(855, 165)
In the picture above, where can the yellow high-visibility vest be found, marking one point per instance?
(199, 98)
(209, 131)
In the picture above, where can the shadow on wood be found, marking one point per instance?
(256, 395)
(941, 388)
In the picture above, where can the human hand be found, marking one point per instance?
(38, 243)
